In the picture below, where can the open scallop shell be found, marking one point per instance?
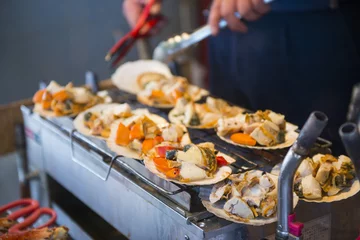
(221, 174)
(125, 77)
(125, 151)
(344, 194)
(174, 119)
(146, 101)
(49, 114)
(290, 138)
(259, 221)
(79, 122)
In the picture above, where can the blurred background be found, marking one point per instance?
(44, 40)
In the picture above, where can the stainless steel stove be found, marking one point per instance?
(94, 190)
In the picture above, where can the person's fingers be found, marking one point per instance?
(214, 17)
(260, 6)
(156, 8)
(245, 8)
(228, 9)
(132, 10)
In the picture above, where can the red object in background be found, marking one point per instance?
(203, 45)
(295, 228)
(31, 213)
(146, 26)
(221, 161)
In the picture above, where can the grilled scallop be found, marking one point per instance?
(220, 191)
(238, 207)
(230, 125)
(311, 188)
(266, 134)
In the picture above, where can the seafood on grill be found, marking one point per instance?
(192, 164)
(135, 136)
(249, 198)
(56, 233)
(97, 120)
(57, 101)
(205, 115)
(325, 178)
(164, 93)
(133, 76)
(261, 130)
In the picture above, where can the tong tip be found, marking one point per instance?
(108, 57)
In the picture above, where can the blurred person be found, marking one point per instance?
(292, 57)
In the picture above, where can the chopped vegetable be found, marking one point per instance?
(176, 94)
(161, 164)
(157, 94)
(122, 135)
(136, 132)
(171, 154)
(147, 145)
(61, 95)
(161, 150)
(105, 133)
(38, 96)
(221, 161)
(87, 116)
(158, 140)
(242, 138)
(46, 104)
(173, 173)
(187, 147)
(195, 120)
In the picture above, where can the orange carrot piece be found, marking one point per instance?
(61, 96)
(136, 132)
(38, 96)
(158, 140)
(122, 135)
(157, 93)
(173, 173)
(242, 138)
(161, 164)
(147, 145)
(176, 94)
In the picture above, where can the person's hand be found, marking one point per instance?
(132, 10)
(250, 10)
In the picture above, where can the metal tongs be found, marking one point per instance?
(287, 228)
(146, 26)
(167, 50)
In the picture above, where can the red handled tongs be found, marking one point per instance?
(29, 210)
(146, 26)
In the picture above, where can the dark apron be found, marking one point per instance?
(292, 63)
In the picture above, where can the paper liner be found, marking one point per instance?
(221, 174)
(49, 114)
(125, 77)
(344, 194)
(290, 138)
(259, 221)
(172, 118)
(125, 151)
(146, 101)
(79, 120)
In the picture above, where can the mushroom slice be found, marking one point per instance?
(310, 187)
(230, 125)
(323, 173)
(305, 168)
(220, 190)
(238, 207)
(268, 206)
